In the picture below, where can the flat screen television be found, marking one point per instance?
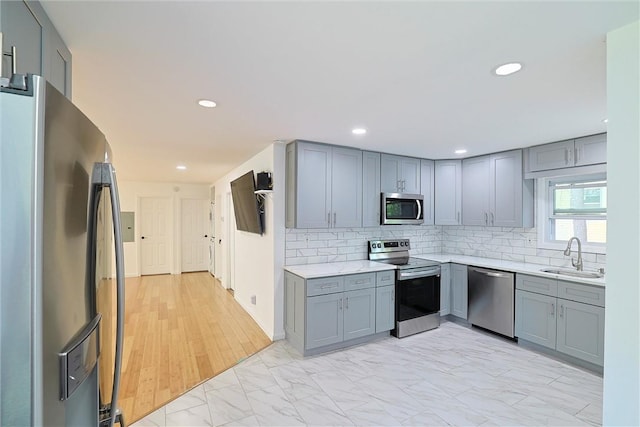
(248, 210)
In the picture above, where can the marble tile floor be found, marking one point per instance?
(449, 376)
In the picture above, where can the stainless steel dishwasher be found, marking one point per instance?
(491, 300)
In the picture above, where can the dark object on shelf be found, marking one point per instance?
(264, 181)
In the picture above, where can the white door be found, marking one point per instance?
(155, 235)
(194, 214)
(212, 239)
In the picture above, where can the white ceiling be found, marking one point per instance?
(417, 75)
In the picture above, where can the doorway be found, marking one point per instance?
(156, 241)
(194, 214)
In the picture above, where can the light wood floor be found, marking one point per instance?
(180, 330)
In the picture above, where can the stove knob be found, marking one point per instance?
(379, 245)
(401, 243)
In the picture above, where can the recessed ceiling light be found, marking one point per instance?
(181, 167)
(462, 151)
(358, 131)
(506, 69)
(605, 121)
(206, 103)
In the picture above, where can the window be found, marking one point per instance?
(574, 206)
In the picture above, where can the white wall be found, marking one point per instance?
(621, 404)
(257, 269)
(130, 194)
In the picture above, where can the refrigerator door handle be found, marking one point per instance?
(104, 175)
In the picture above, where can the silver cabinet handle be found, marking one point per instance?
(492, 218)
(347, 303)
(329, 219)
(553, 309)
(458, 217)
(575, 153)
(486, 219)
(561, 310)
(566, 156)
(334, 219)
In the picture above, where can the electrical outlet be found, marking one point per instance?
(253, 299)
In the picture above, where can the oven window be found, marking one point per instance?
(417, 297)
(401, 209)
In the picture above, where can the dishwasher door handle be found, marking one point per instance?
(490, 273)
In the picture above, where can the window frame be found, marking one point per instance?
(544, 213)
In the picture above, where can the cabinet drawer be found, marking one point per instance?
(325, 285)
(359, 281)
(385, 278)
(582, 293)
(539, 285)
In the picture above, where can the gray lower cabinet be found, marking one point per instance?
(459, 290)
(445, 289)
(324, 320)
(545, 316)
(322, 313)
(385, 308)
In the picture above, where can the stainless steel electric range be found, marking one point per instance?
(417, 300)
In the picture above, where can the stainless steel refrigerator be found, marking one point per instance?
(61, 264)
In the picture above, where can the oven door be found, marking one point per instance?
(417, 294)
(397, 208)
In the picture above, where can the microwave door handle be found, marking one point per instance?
(419, 209)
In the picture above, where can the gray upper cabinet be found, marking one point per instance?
(399, 174)
(39, 48)
(591, 150)
(427, 178)
(476, 185)
(583, 151)
(324, 186)
(448, 192)
(370, 189)
(494, 192)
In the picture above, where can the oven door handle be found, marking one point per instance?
(419, 274)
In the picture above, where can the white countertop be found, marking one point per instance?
(516, 267)
(310, 271)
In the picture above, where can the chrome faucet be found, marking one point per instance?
(578, 263)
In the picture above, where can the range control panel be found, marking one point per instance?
(382, 246)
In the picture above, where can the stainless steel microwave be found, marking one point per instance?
(400, 208)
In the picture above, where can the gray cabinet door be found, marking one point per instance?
(459, 290)
(536, 318)
(324, 324)
(313, 188)
(448, 192)
(359, 313)
(476, 185)
(385, 308)
(390, 174)
(591, 150)
(58, 62)
(445, 289)
(551, 156)
(370, 189)
(410, 175)
(22, 29)
(346, 187)
(505, 196)
(427, 174)
(581, 331)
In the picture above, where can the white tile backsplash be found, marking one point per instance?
(304, 246)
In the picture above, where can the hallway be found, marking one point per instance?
(180, 330)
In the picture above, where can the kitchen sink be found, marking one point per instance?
(574, 273)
